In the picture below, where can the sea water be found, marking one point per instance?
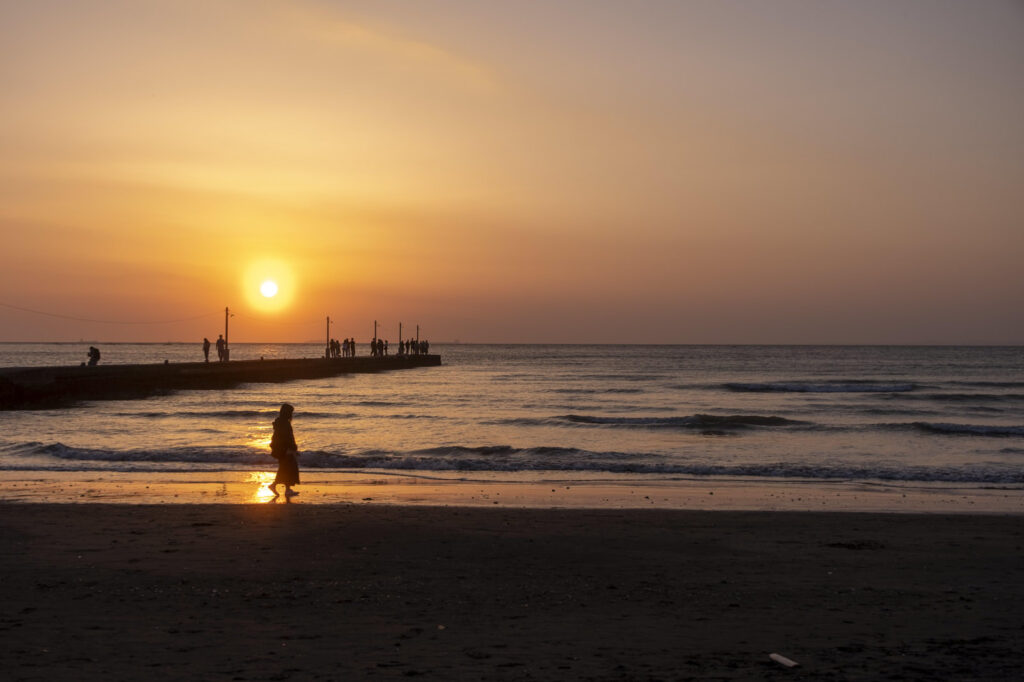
(909, 414)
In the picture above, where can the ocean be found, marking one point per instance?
(575, 412)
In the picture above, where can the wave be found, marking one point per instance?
(903, 412)
(967, 397)
(202, 414)
(696, 421)
(269, 415)
(724, 423)
(837, 386)
(622, 377)
(493, 458)
(409, 416)
(195, 455)
(595, 391)
(966, 429)
(989, 384)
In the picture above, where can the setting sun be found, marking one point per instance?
(269, 285)
(269, 289)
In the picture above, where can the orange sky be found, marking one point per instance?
(655, 172)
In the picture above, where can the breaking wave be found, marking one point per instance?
(492, 458)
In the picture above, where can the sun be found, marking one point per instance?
(269, 285)
(269, 288)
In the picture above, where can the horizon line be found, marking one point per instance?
(975, 344)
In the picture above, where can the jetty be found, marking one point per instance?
(23, 388)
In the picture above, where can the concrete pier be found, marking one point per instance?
(45, 387)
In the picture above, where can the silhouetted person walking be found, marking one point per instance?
(285, 451)
(206, 348)
(94, 356)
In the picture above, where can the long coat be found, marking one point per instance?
(283, 448)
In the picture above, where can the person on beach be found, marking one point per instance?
(206, 348)
(221, 344)
(94, 356)
(286, 452)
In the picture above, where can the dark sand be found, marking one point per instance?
(275, 592)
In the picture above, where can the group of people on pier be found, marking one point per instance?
(381, 347)
(345, 348)
(222, 348)
(341, 349)
(414, 347)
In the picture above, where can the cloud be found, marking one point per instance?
(325, 26)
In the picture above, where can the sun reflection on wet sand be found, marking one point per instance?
(262, 478)
(508, 490)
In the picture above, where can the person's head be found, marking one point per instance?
(287, 411)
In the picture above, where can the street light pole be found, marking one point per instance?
(328, 351)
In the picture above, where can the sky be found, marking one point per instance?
(525, 172)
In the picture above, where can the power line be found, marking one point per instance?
(292, 323)
(87, 319)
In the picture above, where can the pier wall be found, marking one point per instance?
(44, 387)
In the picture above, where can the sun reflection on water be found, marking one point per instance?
(259, 441)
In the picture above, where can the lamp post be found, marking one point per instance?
(227, 351)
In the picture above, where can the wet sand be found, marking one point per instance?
(276, 592)
(516, 489)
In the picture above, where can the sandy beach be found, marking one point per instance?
(273, 592)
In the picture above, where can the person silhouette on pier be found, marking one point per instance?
(284, 449)
(221, 345)
(206, 348)
(94, 356)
